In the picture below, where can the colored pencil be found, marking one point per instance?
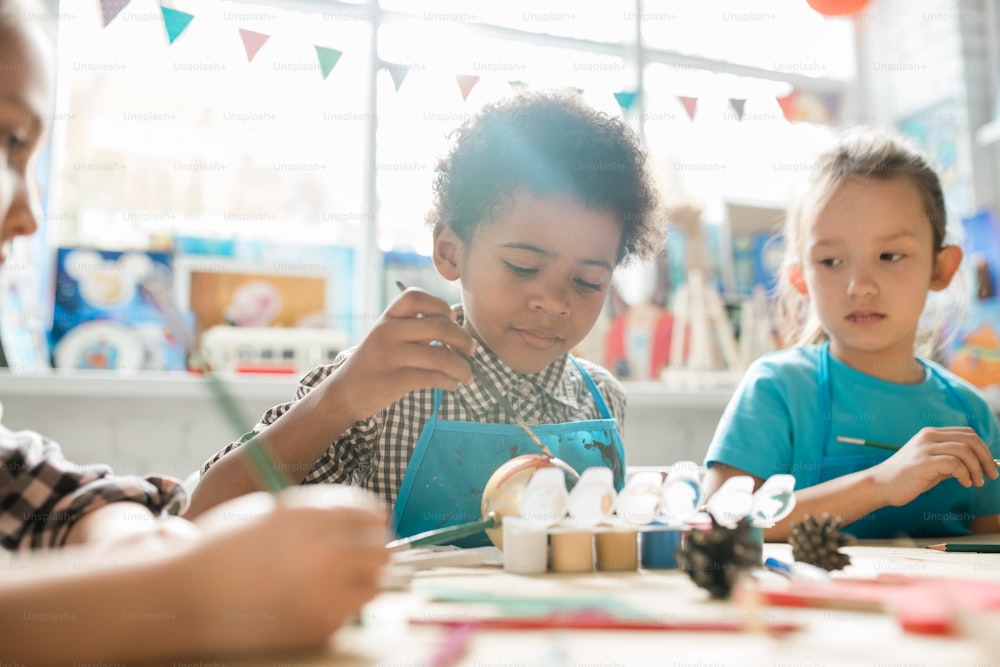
(157, 289)
(967, 548)
(455, 646)
(880, 445)
(594, 620)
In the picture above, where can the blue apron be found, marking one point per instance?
(941, 509)
(453, 460)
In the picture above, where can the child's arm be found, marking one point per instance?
(930, 457)
(850, 497)
(51, 499)
(267, 574)
(395, 358)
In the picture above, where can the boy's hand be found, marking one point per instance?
(396, 357)
(931, 456)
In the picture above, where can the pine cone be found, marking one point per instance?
(818, 543)
(714, 559)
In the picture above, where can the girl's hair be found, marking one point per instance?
(547, 144)
(860, 154)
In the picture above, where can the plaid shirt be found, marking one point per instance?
(374, 453)
(42, 494)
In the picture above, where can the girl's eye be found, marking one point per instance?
(891, 256)
(520, 270)
(587, 285)
(829, 262)
(13, 141)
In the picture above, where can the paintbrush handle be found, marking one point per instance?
(442, 535)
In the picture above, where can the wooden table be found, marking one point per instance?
(826, 637)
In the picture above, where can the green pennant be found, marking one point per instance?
(327, 59)
(175, 22)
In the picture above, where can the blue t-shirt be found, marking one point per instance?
(774, 424)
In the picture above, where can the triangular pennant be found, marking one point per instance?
(175, 22)
(690, 104)
(397, 72)
(466, 82)
(252, 41)
(327, 59)
(111, 8)
(788, 104)
(626, 99)
(737, 105)
(831, 102)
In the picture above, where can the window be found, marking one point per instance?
(156, 140)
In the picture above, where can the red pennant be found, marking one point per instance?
(252, 41)
(788, 104)
(466, 82)
(737, 105)
(690, 104)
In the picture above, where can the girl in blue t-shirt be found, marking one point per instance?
(864, 247)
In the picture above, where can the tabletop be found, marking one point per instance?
(408, 626)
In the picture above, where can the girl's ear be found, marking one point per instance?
(797, 279)
(945, 266)
(447, 251)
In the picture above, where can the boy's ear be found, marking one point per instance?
(447, 251)
(797, 279)
(945, 266)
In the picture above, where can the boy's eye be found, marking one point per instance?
(520, 270)
(890, 256)
(588, 285)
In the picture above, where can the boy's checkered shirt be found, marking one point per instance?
(374, 453)
(42, 494)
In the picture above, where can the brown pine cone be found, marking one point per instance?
(818, 542)
(714, 559)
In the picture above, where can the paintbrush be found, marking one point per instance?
(485, 382)
(157, 289)
(881, 445)
(430, 538)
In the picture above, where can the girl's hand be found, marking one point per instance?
(931, 456)
(396, 357)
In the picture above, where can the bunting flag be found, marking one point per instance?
(831, 102)
(466, 82)
(397, 72)
(626, 99)
(787, 104)
(327, 59)
(252, 41)
(176, 22)
(690, 104)
(737, 105)
(797, 106)
(111, 8)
